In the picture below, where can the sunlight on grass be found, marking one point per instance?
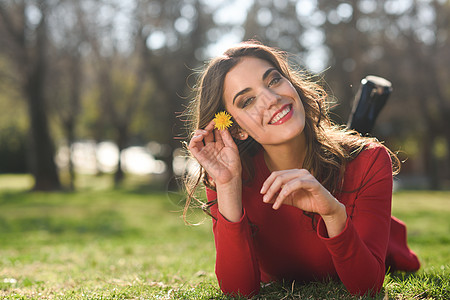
(16, 182)
(130, 243)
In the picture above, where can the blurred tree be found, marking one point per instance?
(427, 44)
(348, 51)
(123, 90)
(176, 36)
(276, 23)
(12, 147)
(13, 123)
(65, 84)
(136, 81)
(24, 34)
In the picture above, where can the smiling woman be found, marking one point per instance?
(292, 196)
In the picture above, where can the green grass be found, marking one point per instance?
(131, 243)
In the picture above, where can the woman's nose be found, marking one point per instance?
(269, 97)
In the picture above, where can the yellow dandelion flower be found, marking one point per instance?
(222, 120)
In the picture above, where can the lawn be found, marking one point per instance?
(132, 243)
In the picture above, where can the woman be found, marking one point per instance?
(292, 196)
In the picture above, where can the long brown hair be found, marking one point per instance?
(329, 147)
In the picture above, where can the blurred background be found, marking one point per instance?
(99, 87)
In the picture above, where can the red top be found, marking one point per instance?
(270, 245)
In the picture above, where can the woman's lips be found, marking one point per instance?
(282, 115)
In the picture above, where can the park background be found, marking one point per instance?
(92, 102)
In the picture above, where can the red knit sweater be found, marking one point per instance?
(268, 245)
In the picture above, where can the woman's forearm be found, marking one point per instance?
(229, 199)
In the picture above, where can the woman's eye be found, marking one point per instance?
(275, 80)
(247, 101)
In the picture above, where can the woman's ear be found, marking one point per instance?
(241, 135)
(238, 133)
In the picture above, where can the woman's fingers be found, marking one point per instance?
(225, 136)
(218, 136)
(290, 188)
(198, 143)
(210, 125)
(267, 183)
(273, 187)
(209, 138)
(206, 144)
(270, 180)
(197, 140)
(276, 181)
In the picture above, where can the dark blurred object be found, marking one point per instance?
(13, 150)
(370, 99)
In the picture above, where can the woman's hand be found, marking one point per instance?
(216, 151)
(297, 187)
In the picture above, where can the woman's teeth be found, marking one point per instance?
(280, 115)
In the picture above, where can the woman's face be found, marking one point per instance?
(263, 102)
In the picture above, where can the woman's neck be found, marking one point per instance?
(286, 156)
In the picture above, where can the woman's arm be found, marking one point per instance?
(237, 268)
(359, 251)
(358, 244)
(229, 199)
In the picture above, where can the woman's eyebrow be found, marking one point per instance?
(240, 93)
(265, 75)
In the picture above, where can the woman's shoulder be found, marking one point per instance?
(373, 150)
(374, 155)
(373, 164)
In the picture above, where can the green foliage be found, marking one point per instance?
(128, 244)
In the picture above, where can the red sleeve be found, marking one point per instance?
(237, 268)
(359, 251)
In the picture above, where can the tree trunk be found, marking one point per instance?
(70, 141)
(30, 60)
(122, 140)
(74, 111)
(42, 152)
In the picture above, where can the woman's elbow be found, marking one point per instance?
(234, 289)
(370, 287)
